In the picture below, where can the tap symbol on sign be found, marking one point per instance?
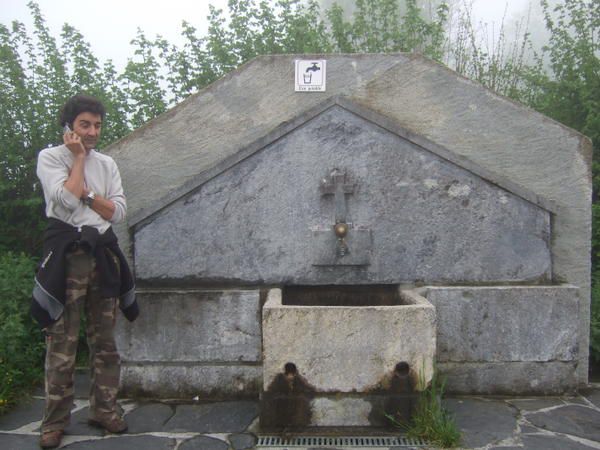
(314, 68)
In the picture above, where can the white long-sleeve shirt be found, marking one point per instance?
(101, 176)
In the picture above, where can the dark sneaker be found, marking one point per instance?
(115, 425)
(51, 439)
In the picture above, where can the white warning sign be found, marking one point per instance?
(310, 75)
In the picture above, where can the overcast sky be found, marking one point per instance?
(110, 25)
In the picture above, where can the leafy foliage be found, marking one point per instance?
(21, 342)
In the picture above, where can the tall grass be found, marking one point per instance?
(430, 421)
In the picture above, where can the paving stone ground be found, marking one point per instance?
(486, 423)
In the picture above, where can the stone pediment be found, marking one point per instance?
(417, 94)
(285, 128)
(416, 212)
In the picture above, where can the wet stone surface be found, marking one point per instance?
(482, 422)
(222, 417)
(540, 442)
(532, 423)
(203, 443)
(125, 443)
(150, 417)
(82, 384)
(594, 397)
(575, 420)
(242, 441)
(403, 448)
(29, 411)
(535, 404)
(528, 429)
(79, 425)
(18, 442)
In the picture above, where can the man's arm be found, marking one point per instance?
(103, 206)
(75, 182)
(53, 174)
(113, 207)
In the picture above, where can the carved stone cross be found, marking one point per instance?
(336, 184)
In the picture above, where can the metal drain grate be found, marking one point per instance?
(344, 441)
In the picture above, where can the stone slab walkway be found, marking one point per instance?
(544, 423)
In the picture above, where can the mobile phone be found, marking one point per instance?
(67, 128)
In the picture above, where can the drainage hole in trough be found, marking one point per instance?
(402, 368)
(290, 369)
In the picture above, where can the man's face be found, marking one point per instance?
(87, 126)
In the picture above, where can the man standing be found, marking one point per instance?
(82, 271)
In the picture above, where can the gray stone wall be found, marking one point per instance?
(191, 342)
(168, 168)
(507, 339)
(428, 218)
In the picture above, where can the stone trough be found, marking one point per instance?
(344, 355)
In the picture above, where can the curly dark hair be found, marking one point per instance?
(78, 104)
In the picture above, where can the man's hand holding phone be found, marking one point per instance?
(73, 142)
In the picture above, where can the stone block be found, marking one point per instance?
(509, 378)
(192, 342)
(347, 348)
(182, 326)
(506, 323)
(181, 381)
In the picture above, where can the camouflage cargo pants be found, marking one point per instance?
(82, 296)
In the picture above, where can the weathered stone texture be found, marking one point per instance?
(346, 349)
(482, 422)
(149, 417)
(126, 443)
(429, 219)
(240, 108)
(192, 342)
(516, 378)
(164, 380)
(193, 326)
(454, 187)
(27, 411)
(512, 141)
(575, 420)
(506, 323)
(222, 417)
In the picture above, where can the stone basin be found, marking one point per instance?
(347, 339)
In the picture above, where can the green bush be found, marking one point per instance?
(21, 341)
